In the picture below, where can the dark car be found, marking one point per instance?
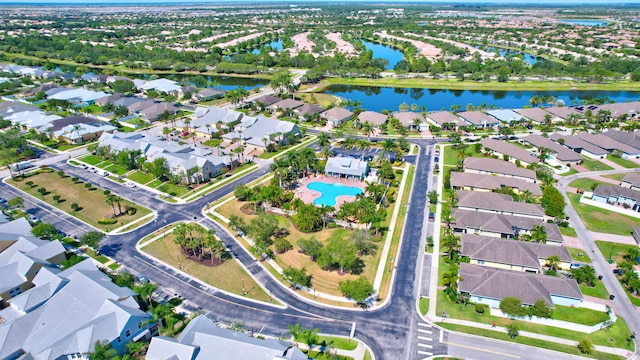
(432, 216)
(436, 159)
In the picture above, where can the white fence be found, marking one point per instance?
(613, 208)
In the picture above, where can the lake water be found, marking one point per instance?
(331, 191)
(393, 56)
(275, 46)
(231, 83)
(584, 22)
(380, 98)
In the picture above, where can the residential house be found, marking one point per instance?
(497, 203)
(155, 111)
(629, 109)
(59, 124)
(506, 116)
(478, 119)
(94, 78)
(445, 119)
(111, 98)
(163, 86)
(500, 225)
(284, 106)
(33, 91)
(261, 131)
(265, 100)
(511, 254)
(513, 152)
(611, 145)
(498, 167)
(31, 119)
(580, 146)
(559, 154)
(562, 113)
(347, 166)
(81, 133)
(78, 96)
(8, 108)
(203, 340)
(628, 138)
(535, 114)
(375, 118)
(68, 312)
(483, 182)
(217, 119)
(411, 120)
(631, 181)
(636, 234)
(21, 258)
(487, 285)
(208, 94)
(617, 195)
(307, 110)
(336, 116)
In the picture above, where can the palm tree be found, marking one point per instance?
(187, 122)
(349, 143)
(553, 262)
(450, 280)
(323, 139)
(389, 146)
(166, 131)
(363, 145)
(280, 169)
(367, 128)
(326, 152)
(208, 129)
(543, 152)
(102, 351)
(111, 201)
(217, 143)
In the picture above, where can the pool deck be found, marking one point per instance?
(308, 196)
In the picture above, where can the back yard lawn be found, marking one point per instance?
(601, 220)
(594, 165)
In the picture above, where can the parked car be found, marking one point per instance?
(34, 219)
(105, 173)
(130, 184)
(617, 271)
(436, 159)
(580, 191)
(174, 133)
(432, 216)
(184, 134)
(3, 201)
(142, 279)
(575, 266)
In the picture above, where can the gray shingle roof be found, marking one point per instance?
(285, 104)
(562, 153)
(497, 202)
(575, 143)
(490, 182)
(607, 190)
(608, 143)
(497, 284)
(478, 118)
(443, 117)
(497, 166)
(214, 343)
(512, 252)
(632, 179)
(373, 117)
(336, 114)
(536, 114)
(513, 151)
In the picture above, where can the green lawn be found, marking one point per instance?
(424, 305)
(140, 177)
(93, 159)
(598, 290)
(570, 172)
(527, 341)
(619, 332)
(602, 220)
(582, 316)
(339, 343)
(626, 163)
(614, 251)
(586, 183)
(154, 183)
(567, 231)
(579, 255)
(117, 169)
(615, 176)
(594, 165)
(172, 189)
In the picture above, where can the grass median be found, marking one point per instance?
(91, 201)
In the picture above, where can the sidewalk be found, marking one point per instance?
(620, 239)
(610, 350)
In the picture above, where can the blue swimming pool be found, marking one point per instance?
(330, 192)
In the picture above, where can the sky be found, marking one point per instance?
(86, 2)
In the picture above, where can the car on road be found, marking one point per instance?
(3, 201)
(432, 216)
(105, 173)
(34, 219)
(436, 159)
(130, 184)
(61, 234)
(142, 279)
(580, 191)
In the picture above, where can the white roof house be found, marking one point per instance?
(32, 119)
(506, 115)
(67, 312)
(160, 85)
(346, 166)
(202, 340)
(256, 130)
(79, 95)
(82, 132)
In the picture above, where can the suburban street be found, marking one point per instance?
(394, 331)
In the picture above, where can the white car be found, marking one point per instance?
(130, 184)
(34, 219)
(105, 173)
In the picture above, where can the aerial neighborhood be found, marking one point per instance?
(319, 181)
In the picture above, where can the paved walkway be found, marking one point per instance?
(620, 239)
(612, 164)
(357, 354)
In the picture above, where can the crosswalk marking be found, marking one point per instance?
(424, 331)
(425, 346)
(424, 325)
(424, 338)
(424, 353)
